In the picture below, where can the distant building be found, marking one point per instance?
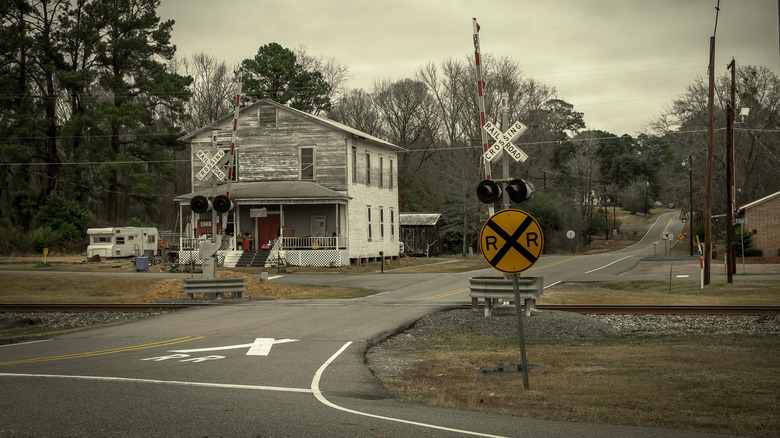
(763, 220)
(421, 233)
(309, 190)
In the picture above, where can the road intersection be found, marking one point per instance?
(268, 368)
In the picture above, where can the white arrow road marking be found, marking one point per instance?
(261, 347)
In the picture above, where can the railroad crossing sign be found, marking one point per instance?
(511, 241)
(210, 165)
(504, 142)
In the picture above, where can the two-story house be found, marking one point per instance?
(309, 190)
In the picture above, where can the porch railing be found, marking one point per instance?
(285, 243)
(313, 243)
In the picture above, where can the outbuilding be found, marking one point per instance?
(421, 233)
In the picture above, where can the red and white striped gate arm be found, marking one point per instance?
(481, 97)
(233, 138)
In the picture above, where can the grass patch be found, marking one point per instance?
(711, 383)
(657, 292)
(71, 288)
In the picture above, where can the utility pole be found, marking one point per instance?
(690, 206)
(710, 147)
(730, 178)
(606, 218)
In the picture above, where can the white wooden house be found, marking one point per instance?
(313, 191)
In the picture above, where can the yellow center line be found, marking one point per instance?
(445, 294)
(103, 352)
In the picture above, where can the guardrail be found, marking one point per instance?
(493, 289)
(213, 288)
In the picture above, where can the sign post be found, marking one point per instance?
(512, 241)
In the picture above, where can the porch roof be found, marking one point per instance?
(273, 192)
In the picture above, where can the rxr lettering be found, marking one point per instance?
(530, 237)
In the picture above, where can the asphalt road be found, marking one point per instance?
(267, 369)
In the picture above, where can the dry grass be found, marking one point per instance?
(71, 288)
(718, 293)
(712, 383)
(94, 289)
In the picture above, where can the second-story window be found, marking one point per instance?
(381, 172)
(354, 164)
(368, 169)
(307, 163)
(390, 184)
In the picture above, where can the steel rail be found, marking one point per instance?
(89, 307)
(643, 309)
(626, 309)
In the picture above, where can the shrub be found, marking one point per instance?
(43, 237)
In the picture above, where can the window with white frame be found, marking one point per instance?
(354, 164)
(381, 172)
(307, 163)
(392, 224)
(368, 168)
(226, 166)
(381, 223)
(390, 184)
(368, 207)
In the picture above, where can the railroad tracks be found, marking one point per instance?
(107, 307)
(625, 309)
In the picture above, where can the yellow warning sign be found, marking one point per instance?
(511, 241)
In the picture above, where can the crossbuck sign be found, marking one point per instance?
(210, 165)
(504, 142)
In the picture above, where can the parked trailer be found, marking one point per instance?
(122, 242)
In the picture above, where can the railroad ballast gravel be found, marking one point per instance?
(540, 325)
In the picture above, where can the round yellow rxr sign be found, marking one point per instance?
(511, 241)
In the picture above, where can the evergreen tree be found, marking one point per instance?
(274, 73)
(138, 93)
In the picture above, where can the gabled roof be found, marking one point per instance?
(317, 119)
(419, 219)
(760, 201)
(274, 192)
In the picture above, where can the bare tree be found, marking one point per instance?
(213, 89)
(356, 109)
(335, 73)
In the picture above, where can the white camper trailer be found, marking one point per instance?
(122, 242)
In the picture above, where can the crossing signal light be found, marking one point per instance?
(488, 192)
(200, 204)
(518, 191)
(222, 204)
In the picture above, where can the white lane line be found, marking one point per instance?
(315, 388)
(608, 264)
(25, 343)
(275, 277)
(553, 284)
(164, 382)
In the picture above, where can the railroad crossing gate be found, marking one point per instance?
(511, 241)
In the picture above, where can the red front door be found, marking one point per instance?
(267, 229)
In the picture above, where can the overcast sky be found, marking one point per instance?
(620, 62)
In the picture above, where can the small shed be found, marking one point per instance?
(420, 233)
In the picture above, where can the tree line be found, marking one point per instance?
(95, 98)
